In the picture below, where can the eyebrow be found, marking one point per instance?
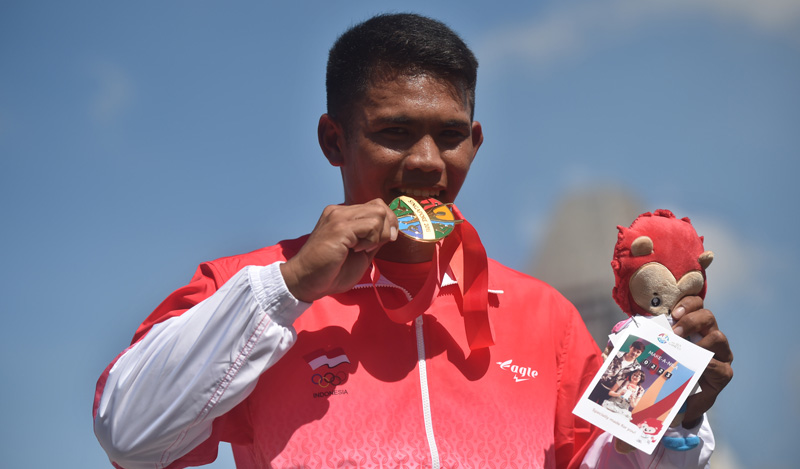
(405, 120)
(457, 123)
(393, 120)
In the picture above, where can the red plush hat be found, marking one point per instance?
(657, 261)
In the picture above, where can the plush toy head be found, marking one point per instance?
(657, 261)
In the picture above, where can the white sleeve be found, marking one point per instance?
(163, 393)
(603, 455)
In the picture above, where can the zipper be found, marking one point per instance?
(426, 402)
(423, 372)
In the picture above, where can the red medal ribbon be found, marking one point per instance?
(463, 252)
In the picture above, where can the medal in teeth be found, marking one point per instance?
(426, 220)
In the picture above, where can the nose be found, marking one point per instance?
(425, 155)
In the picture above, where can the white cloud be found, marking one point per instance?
(776, 16)
(740, 267)
(113, 94)
(573, 28)
(576, 175)
(733, 260)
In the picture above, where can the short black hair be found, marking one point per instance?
(629, 375)
(404, 43)
(638, 345)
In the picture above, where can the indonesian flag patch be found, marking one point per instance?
(332, 358)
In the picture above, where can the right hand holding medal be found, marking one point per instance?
(340, 249)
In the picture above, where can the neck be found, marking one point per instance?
(406, 251)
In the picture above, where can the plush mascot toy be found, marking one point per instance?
(657, 261)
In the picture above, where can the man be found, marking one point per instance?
(354, 346)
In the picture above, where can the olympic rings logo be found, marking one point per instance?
(329, 379)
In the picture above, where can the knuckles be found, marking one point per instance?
(691, 303)
(329, 210)
(728, 372)
(699, 320)
(718, 375)
(717, 337)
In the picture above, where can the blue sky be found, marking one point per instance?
(140, 139)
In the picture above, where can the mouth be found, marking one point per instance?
(419, 193)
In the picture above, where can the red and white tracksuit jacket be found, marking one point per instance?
(234, 357)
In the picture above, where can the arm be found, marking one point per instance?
(615, 391)
(636, 396)
(690, 318)
(159, 399)
(579, 360)
(199, 355)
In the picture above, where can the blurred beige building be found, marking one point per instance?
(575, 253)
(575, 257)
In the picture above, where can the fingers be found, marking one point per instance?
(362, 227)
(717, 375)
(692, 320)
(701, 321)
(690, 317)
(373, 226)
(339, 249)
(713, 380)
(621, 447)
(717, 342)
(686, 304)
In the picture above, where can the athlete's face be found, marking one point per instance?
(408, 135)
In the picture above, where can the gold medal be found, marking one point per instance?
(426, 220)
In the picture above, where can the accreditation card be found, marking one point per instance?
(671, 366)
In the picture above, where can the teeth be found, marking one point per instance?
(418, 192)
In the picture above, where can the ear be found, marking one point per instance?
(477, 137)
(705, 259)
(642, 246)
(331, 138)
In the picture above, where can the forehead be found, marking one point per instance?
(413, 95)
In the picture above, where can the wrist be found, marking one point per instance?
(292, 282)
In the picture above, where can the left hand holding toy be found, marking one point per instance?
(691, 318)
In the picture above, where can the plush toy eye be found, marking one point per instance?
(655, 302)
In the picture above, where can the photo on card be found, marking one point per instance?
(642, 384)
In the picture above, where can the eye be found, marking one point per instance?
(655, 302)
(453, 133)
